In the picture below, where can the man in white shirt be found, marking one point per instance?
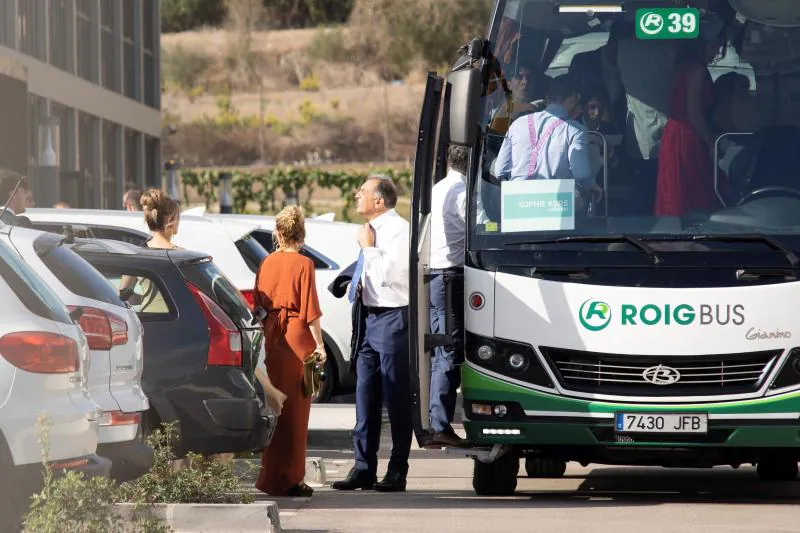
(381, 280)
(448, 236)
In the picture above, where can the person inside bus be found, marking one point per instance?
(448, 237)
(646, 68)
(599, 67)
(685, 171)
(524, 95)
(598, 117)
(551, 144)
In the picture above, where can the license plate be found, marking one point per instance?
(661, 423)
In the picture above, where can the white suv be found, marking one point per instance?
(114, 336)
(43, 362)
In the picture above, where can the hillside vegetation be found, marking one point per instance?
(263, 82)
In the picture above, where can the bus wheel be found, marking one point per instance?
(777, 469)
(544, 468)
(498, 478)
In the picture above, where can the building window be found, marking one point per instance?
(26, 27)
(108, 58)
(129, 46)
(133, 158)
(58, 33)
(152, 161)
(84, 32)
(87, 149)
(36, 112)
(150, 44)
(110, 166)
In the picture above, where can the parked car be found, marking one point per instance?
(201, 342)
(332, 246)
(114, 336)
(236, 242)
(44, 360)
(196, 233)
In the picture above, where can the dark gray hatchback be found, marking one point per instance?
(201, 345)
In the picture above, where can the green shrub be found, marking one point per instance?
(202, 480)
(328, 44)
(74, 503)
(183, 68)
(310, 83)
(308, 112)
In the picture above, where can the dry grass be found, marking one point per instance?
(352, 105)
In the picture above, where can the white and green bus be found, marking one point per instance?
(624, 332)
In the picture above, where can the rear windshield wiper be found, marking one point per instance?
(620, 237)
(751, 237)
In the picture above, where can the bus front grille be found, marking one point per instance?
(668, 375)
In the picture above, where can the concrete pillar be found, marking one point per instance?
(97, 162)
(119, 171)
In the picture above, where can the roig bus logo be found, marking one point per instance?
(594, 315)
(651, 23)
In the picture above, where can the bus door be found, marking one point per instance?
(450, 112)
(426, 167)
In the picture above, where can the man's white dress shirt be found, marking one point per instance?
(385, 275)
(448, 221)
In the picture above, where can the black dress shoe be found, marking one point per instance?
(447, 438)
(356, 479)
(392, 482)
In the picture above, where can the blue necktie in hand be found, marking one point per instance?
(355, 281)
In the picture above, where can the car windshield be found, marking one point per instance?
(654, 121)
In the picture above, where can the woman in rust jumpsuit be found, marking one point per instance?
(286, 289)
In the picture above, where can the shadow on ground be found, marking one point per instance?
(601, 488)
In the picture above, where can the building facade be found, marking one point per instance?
(92, 72)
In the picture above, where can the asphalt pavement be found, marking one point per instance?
(598, 498)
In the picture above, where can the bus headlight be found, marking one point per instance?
(517, 361)
(485, 353)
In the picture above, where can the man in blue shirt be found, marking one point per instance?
(551, 144)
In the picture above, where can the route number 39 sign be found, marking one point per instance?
(678, 23)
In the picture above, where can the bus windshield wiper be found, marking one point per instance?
(619, 237)
(751, 237)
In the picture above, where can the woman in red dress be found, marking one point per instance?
(685, 171)
(286, 289)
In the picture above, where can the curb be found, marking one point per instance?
(330, 439)
(215, 518)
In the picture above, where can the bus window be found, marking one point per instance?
(687, 134)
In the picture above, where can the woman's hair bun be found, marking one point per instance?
(290, 226)
(158, 208)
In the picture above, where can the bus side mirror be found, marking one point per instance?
(465, 101)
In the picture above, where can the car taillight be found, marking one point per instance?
(41, 352)
(225, 345)
(103, 330)
(118, 418)
(249, 297)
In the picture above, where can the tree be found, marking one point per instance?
(306, 13)
(184, 15)
(396, 33)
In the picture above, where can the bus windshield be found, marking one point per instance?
(649, 120)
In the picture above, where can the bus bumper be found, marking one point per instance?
(539, 419)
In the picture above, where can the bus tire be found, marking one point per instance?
(498, 478)
(778, 469)
(545, 468)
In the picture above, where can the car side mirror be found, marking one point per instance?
(465, 103)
